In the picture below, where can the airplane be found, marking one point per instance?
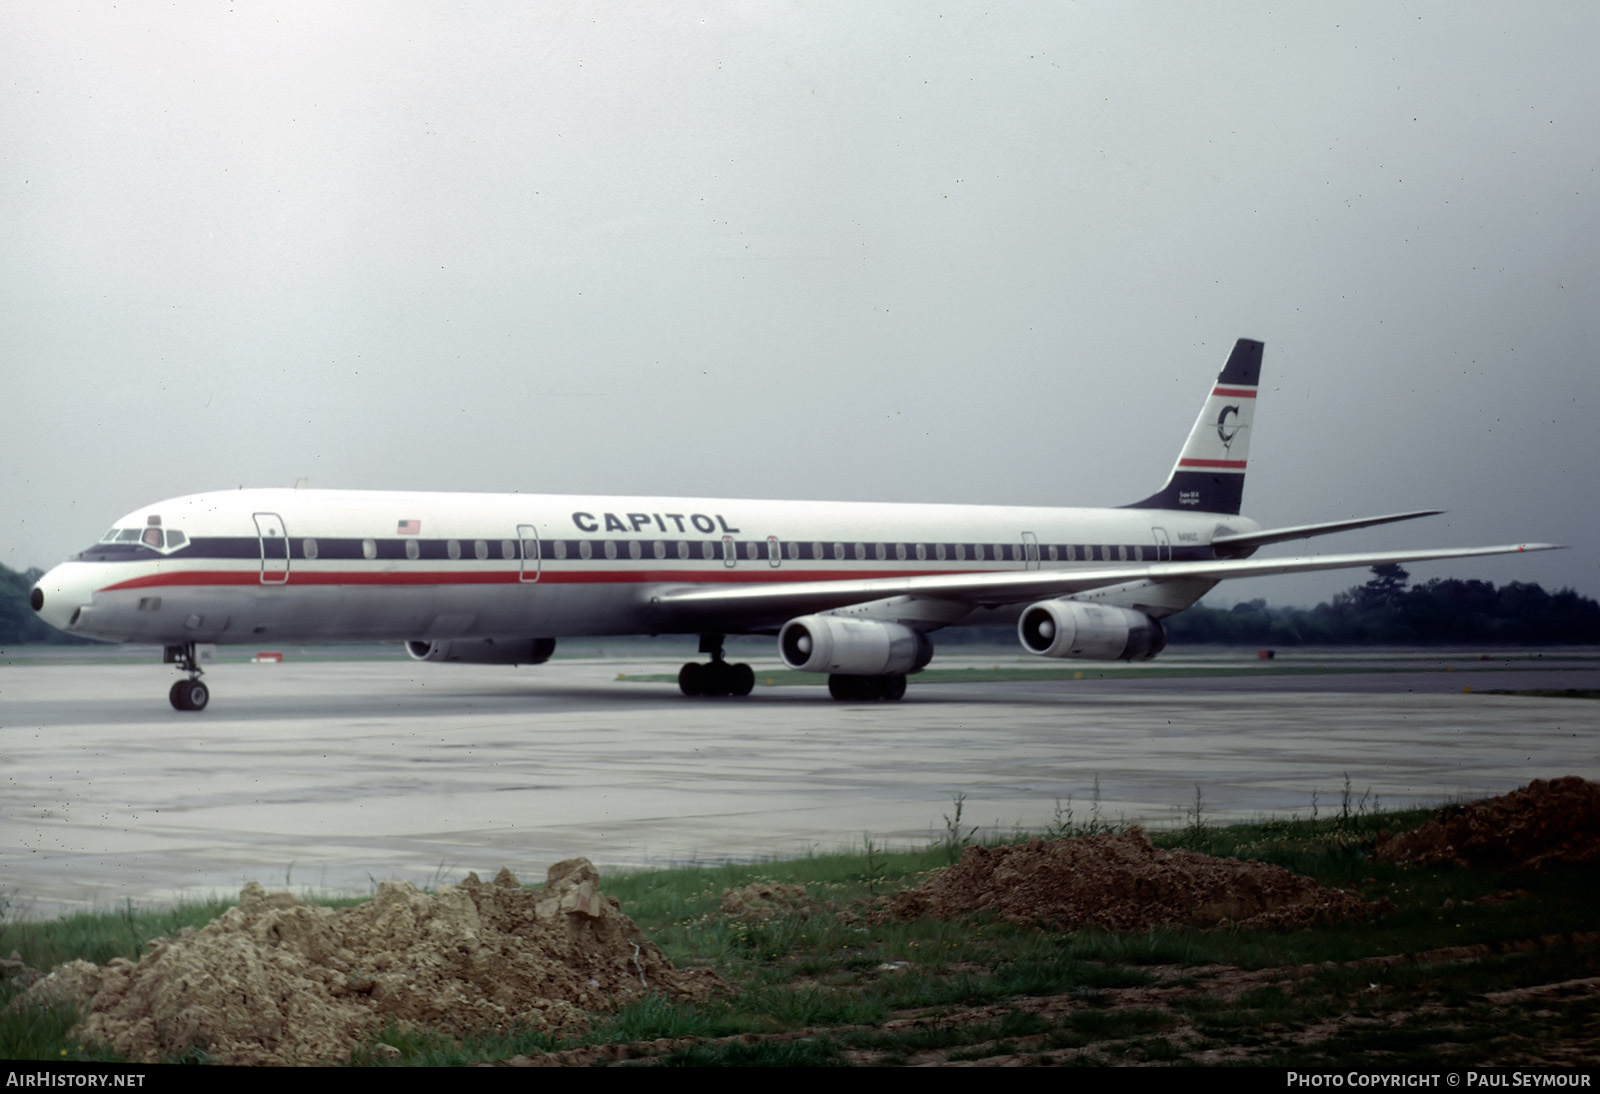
(851, 590)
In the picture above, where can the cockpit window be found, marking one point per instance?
(157, 539)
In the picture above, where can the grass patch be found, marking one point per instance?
(887, 991)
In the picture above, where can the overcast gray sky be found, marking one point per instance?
(900, 252)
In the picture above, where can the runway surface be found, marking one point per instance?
(331, 776)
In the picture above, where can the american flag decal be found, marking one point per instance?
(409, 528)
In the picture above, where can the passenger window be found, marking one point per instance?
(481, 548)
(900, 552)
(794, 551)
(1122, 553)
(633, 548)
(412, 550)
(1052, 552)
(938, 551)
(961, 552)
(683, 548)
(861, 552)
(453, 548)
(561, 548)
(611, 548)
(369, 548)
(1138, 553)
(752, 550)
(838, 552)
(922, 552)
(977, 551)
(508, 548)
(708, 549)
(585, 549)
(658, 549)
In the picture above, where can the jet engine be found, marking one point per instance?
(485, 651)
(1096, 632)
(852, 647)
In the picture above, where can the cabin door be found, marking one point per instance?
(274, 548)
(528, 537)
(1030, 550)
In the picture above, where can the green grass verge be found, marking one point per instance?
(836, 988)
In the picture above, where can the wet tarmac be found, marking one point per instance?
(331, 776)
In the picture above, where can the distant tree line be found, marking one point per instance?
(1384, 611)
(1443, 611)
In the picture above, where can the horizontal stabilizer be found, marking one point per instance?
(1240, 542)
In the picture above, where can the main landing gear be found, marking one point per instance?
(891, 686)
(715, 677)
(188, 694)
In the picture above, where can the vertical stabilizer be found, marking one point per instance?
(1209, 474)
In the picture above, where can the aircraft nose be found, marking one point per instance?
(54, 601)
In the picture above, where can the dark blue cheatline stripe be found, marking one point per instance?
(571, 550)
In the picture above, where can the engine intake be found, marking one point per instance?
(1095, 632)
(852, 647)
(484, 651)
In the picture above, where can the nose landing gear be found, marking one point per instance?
(188, 694)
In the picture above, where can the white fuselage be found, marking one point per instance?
(322, 565)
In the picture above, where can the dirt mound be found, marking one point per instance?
(1121, 882)
(759, 902)
(277, 981)
(1543, 822)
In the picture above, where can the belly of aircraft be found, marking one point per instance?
(355, 613)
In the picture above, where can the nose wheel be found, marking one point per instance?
(188, 694)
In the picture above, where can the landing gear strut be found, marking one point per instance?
(715, 677)
(890, 686)
(188, 694)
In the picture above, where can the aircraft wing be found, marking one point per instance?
(768, 606)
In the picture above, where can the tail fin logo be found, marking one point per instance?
(1227, 430)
